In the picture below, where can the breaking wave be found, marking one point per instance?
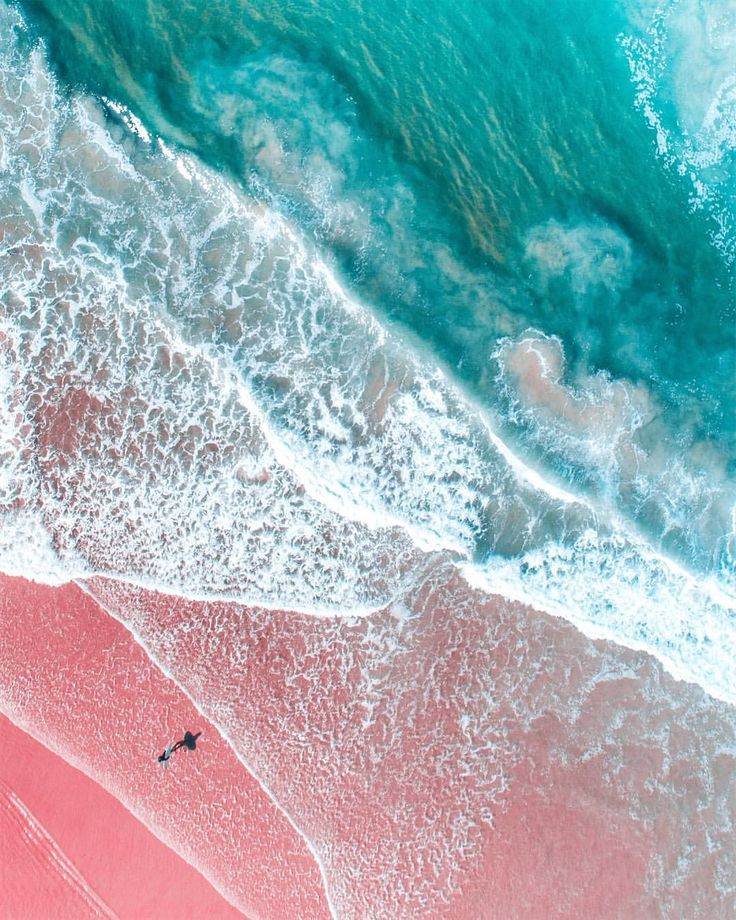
(192, 399)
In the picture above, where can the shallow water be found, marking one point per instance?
(319, 290)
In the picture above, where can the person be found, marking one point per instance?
(164, 758)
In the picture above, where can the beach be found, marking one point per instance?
(563, 761)
(77, 681)
(368, 434)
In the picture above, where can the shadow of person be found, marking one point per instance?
(189, 741)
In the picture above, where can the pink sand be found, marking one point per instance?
(456, 756)
(128, 868)
(74, 677)
(459, 756)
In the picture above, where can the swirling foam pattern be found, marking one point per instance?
(193, 400)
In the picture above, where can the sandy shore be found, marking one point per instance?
(120, 861)
(76, 679)
(460, 756)
(456, 756)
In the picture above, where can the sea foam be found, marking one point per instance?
(681, 56)
(194, 401)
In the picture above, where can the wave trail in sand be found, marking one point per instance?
(26, 841)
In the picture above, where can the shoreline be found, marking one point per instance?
(76, 678)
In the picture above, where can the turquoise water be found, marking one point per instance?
(502, 228)
(423, 144)
(455, 125)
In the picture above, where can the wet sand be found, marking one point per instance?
(460, 756)
(456, 755)
(128, 869)
(77, 680)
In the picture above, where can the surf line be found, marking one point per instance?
(277, 224)
(273, 223)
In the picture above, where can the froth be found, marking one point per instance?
(609, 436)
(684, 53)
(620, 590)
(204, 407)
(143, 455)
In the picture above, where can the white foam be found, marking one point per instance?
(683, 52)
(619, 590)
(132, 121)
(203, 407)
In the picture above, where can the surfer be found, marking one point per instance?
(164, 758)
(189, 741)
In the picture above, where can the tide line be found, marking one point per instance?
(40, 840)
(227, 738)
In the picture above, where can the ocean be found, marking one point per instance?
(296, 296)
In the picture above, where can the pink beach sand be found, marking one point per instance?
(75, 678)
(55, 817)
(459, 756)
(455, 756)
